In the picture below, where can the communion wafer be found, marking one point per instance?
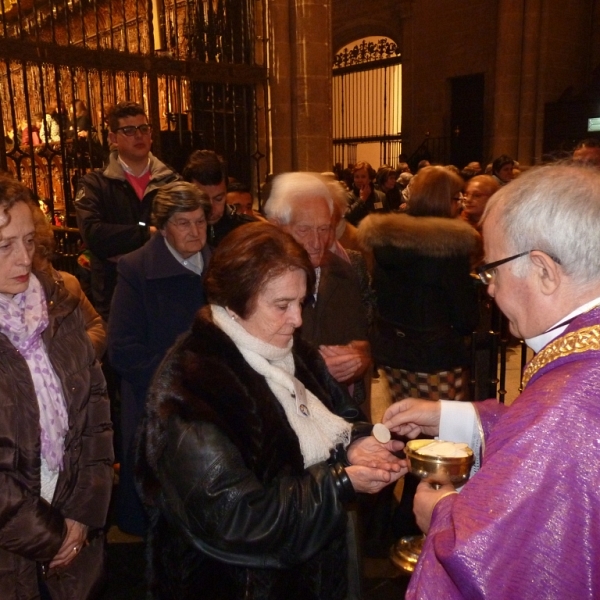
(381, 433)
(445, 449)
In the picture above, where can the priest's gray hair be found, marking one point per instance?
(555, 209)
(291, 189)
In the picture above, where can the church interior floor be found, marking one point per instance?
(381, 580)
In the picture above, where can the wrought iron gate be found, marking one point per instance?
(366, 84)
(197, 66)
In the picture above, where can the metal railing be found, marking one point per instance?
(367, 83)
(197, 67)
(490, 347)
(68, 249)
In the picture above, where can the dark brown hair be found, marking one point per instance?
(431, 192)
(11, 192)
(122, 110)
(499, 162)
(382, 175)
(363, 164)
(205, 167)
(247, 259)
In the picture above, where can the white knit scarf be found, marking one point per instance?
(23, 319)
(317, 428)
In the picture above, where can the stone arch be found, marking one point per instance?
(357, 32)
(357, 19)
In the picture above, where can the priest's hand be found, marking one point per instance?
(425, 501)
(412, 417)
(368, 452)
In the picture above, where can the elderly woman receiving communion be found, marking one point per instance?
(248, 451)
(55, 431)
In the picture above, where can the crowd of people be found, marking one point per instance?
(57, 125)
(66, 130)
(233, 349)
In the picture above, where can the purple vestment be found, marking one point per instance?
(527, 525)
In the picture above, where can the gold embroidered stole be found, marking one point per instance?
(576, 342)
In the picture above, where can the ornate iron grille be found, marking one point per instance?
(366, 83)
(192, 64)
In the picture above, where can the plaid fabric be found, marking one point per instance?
(444, 385)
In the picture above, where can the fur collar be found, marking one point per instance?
(205, 378)
(432, 236)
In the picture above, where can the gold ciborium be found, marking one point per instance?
(437, 470)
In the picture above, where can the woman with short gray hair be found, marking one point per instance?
(176, 197)
(159, 290)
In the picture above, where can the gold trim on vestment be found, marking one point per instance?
(576, 342)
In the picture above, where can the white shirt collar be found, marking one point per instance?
(194, 263)
(127, 170)
(539, 341)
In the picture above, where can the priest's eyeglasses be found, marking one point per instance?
(486, 272)
(131, 130)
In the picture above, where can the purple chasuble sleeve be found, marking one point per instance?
(489, 413)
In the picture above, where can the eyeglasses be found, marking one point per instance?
(130, 130)
(184, 225)
(486, 272)
(458, 198)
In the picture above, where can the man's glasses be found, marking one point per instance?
(130, 130)
(486, 272)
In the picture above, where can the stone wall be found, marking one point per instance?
(444, 39)
(530, 52)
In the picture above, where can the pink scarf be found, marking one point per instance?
(23, 319)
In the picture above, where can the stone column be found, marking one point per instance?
(280, 86)
(411, 128)
(531, 90)
(507, 85)
(300, 84)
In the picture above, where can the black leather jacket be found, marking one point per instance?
(228, 222)
(235, 513)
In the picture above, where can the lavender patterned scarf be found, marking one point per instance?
(23, 319)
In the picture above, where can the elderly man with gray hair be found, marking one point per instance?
(159, 289)
(335, 319)
(526, 524)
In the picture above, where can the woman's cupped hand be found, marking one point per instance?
(373, 464)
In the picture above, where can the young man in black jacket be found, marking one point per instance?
(113, 205)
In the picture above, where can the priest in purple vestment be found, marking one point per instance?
(527, 523)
